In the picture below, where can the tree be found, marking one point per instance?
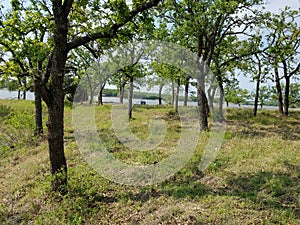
(235, 94)
(284, 41)
(201, 27)
(25, 42)
(172, 74)
(51, 86)
(295, 95)
(128, 64)
(157, 80)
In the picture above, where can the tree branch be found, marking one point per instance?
(112, 31)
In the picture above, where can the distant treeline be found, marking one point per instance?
(143, 95)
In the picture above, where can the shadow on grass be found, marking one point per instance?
(267, 123)
(268, 189)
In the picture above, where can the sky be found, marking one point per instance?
(275, 5)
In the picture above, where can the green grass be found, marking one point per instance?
(254, 180)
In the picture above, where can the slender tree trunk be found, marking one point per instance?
(19, 91)
(24, 91)
(38, 102)
(201, 96)
(130, 97)
(186, 92)
(122, 89)
(100, 95)
(91, 97)
(286, 95)
(159, 94)
(257, 89)
(173, 93)
(177, 95)
(24, 95)
(278, 89)
(202, 104)
(221, 100)
(256, 97)
(38, 114)
(210, 98)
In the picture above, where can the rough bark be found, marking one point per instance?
(202, 104)
(202, 99)
(201, 95)
(54, 96)
(38, 114)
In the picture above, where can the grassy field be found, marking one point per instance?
(254, 180)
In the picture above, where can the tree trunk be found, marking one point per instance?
(100, 95)
(221, 100)
(54, 97)
(186, 92)
(122, 89)
(130, 96)
(256, 97)
(24, 91)
(210, 98)
(173, 93)
(286, 95)
(91, 97)
(38, 102)
(177, 95)
(19, 91)
(159, 94)
(201, 96)
(38, 115)
(55, 123)
(24, 95)
(278, 89)
(257, 86)
(202, 103)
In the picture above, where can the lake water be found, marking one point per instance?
(5, 94)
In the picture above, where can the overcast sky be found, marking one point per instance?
(275, 5)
